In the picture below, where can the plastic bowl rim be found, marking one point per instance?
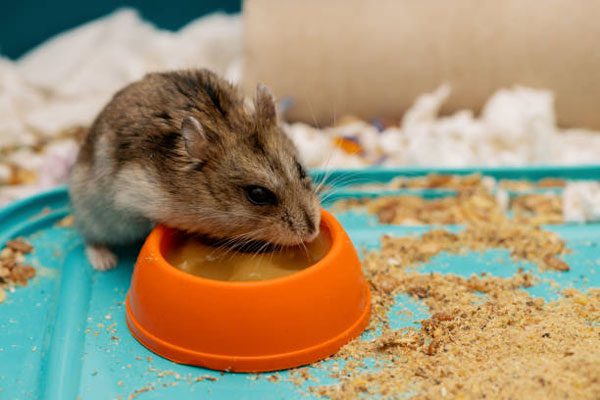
(333, 227)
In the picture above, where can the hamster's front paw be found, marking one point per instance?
(101, 258)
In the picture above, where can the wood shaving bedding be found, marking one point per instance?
(473, 202)
(433, 181)
(538, 209)
(464, 182)
(505, 345)
(525, 243)
(470, 206)
(511, 346)
(521, 185)
(13, 270)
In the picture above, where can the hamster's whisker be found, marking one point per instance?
(325, 181)
(301, 243)
(262, 248)
(338, 189)
(327, 172)
(348, 179)
(312, 113)
(278, 248)
(229, 245)
(325, 176)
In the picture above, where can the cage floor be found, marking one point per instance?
(64, 336)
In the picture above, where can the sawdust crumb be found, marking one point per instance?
(203, 378)
(66, 222)
(139, 391)
(473, 201)
(525, 243)
(13, 270)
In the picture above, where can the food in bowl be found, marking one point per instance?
(198, 257)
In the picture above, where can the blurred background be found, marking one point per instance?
(360, 84)
(44, 19)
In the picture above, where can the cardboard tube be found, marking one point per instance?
(372, 58)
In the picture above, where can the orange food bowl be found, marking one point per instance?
(248, 326)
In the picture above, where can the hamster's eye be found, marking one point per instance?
(260, 196)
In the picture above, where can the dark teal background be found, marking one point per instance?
(25, 24)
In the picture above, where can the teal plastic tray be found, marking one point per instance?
(64, 336)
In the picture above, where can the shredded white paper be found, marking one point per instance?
(67, 80)
(517, 127)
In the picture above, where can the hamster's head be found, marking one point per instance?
(241, 178)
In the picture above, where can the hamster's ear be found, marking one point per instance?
(264, 104)
(196, 140)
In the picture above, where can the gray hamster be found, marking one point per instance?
(185, 149)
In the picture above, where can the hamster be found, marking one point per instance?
(185, 149)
